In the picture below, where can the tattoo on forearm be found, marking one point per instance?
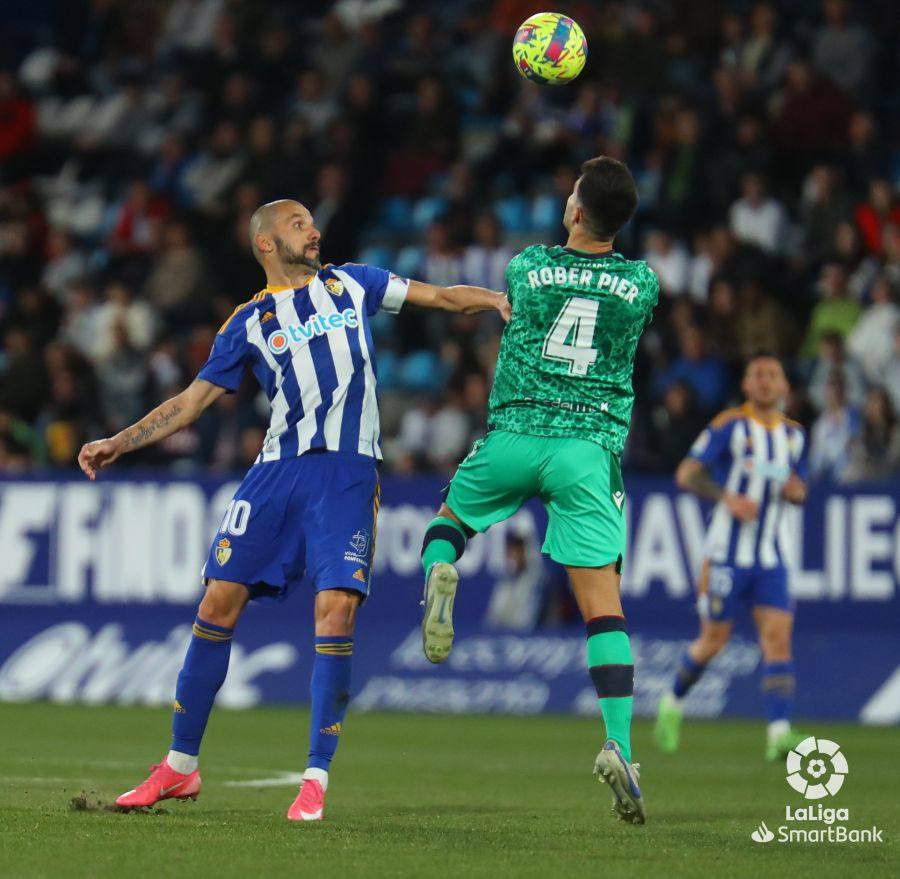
(702, 484)
(145, 429)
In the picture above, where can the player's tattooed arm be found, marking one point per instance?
(693, 476)
(141, 434)
(461, 298)
(163, 421)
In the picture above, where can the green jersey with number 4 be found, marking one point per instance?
(567, 355)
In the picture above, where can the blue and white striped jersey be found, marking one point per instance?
(311, 350)
(749, 456)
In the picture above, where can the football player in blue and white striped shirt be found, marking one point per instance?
(751, 461)
(308, 506)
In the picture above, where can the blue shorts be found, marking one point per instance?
(313, 515)
(729, 586)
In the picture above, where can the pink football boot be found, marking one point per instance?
(310, 802)
(164, 783)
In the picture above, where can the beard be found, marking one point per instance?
(302, 257)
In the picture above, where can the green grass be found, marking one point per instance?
(421, 796)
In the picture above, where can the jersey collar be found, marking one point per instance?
(751, 412)
(589, 253)
(276, 288)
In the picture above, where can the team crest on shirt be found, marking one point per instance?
(334, 286)
(223, 550)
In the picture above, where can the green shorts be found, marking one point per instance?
(579, 482)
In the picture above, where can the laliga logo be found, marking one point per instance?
(816, 768)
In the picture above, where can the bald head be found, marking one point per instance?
(265, 218)
(285, 229)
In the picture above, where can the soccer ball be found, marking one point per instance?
(549, 48)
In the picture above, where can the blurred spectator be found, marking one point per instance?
(17, 119)
(890, 379)
(64, 263)
(875, 454)
(442, 263)
(835, 311)
(119, 313)
(842, 51)
(871, 341)
(122, 377)
(135, 221)
(875, 213)
(337, 214)
(812, 115)
(833, 361)
(517, 597)
(484, 261)
(763, 56)
(756, 218)
(833, 433)
(23, 383)
(824, 207)
(674, 425)
(761, 323)
(670, 260)
(312, 103)
(211, 174)
(703, 372)
(177, 277)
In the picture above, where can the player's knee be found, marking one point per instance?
(775, 644)
(336, 611)
(221, 604)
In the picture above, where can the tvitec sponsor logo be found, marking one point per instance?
(816, 768)
(316, 325)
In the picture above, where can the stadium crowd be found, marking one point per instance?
(137, 138)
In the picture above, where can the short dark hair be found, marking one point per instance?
(763, 354)
(607, 195)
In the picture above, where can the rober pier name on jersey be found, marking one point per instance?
(621, 287)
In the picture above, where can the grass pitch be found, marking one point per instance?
(421, 796)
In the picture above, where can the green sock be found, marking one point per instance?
(445, 541)
(611, 666)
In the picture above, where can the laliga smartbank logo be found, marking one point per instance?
(816, 768)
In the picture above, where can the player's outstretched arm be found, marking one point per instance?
(163, 421)
(461, 298)
(693, 476)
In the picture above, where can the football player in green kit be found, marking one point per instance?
(559, 413)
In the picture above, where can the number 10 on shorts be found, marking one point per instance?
(236, 518)
(578, 318)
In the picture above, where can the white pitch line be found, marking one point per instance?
(125, 764)
(44, 779)
(286, 779)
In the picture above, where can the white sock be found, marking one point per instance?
(183, 763)
(778, 728)
(319, 775)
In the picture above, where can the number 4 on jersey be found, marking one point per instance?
(577, 317)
